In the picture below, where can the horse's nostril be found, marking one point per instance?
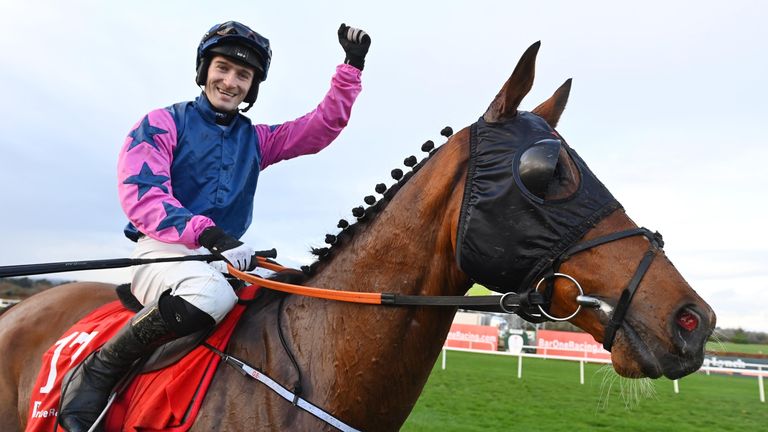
(687, 320)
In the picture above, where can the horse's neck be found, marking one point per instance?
(383, 355)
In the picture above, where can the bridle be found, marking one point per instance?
(530, 304)
(656, 243)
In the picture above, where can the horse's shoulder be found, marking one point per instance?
(92, 292)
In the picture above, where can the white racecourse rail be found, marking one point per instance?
(581, 356)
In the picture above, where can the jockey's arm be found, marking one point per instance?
(316, 130)
(144, 186)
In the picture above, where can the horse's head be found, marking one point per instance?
(534, 219)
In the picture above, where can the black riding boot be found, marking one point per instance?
(91, 384)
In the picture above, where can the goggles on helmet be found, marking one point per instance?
(232, 33)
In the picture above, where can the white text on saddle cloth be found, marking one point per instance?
(66, 353)
(76, 338)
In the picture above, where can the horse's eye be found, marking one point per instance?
(537, 166)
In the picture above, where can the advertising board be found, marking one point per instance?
(473, 337)
(569, 344)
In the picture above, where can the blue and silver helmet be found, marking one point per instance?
(239, 43)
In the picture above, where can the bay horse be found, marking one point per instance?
(368, 364)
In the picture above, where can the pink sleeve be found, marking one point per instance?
(144, 186)
(314, 131)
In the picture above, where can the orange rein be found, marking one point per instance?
(346, 296)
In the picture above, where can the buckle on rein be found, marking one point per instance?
(507, 301)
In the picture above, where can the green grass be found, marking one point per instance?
(479, 290)
(737, 347)
(480, 392)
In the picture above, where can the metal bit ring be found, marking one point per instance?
(581, 293)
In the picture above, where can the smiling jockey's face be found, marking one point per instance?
(227, 83)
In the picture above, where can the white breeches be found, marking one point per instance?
(196, 281)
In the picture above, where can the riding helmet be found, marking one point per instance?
(239, 43)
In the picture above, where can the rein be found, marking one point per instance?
(529, 303)
(510, 302)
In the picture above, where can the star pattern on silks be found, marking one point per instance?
(176, 217)
(146, 180)
(145, 132)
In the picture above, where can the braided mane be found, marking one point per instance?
(364, 215)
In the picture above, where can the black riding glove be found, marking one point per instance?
(355, 43)
(228, 248)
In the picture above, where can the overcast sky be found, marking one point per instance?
(668, 108)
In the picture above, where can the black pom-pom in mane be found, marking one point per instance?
(321, 252)
(290, 276)
(364, 215)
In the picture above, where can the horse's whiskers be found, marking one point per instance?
(609, 377)
(631, 390)
(717, 338)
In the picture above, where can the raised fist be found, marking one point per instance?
(355, 43)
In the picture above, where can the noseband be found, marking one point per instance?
(536, 313)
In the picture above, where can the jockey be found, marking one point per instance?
(187, 176)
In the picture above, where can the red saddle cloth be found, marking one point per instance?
(164, 400)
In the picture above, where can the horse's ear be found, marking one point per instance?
(553, 107)
(504, 105)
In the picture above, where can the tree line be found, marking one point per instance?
(23, 287)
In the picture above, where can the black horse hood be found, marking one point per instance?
(508, 232)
